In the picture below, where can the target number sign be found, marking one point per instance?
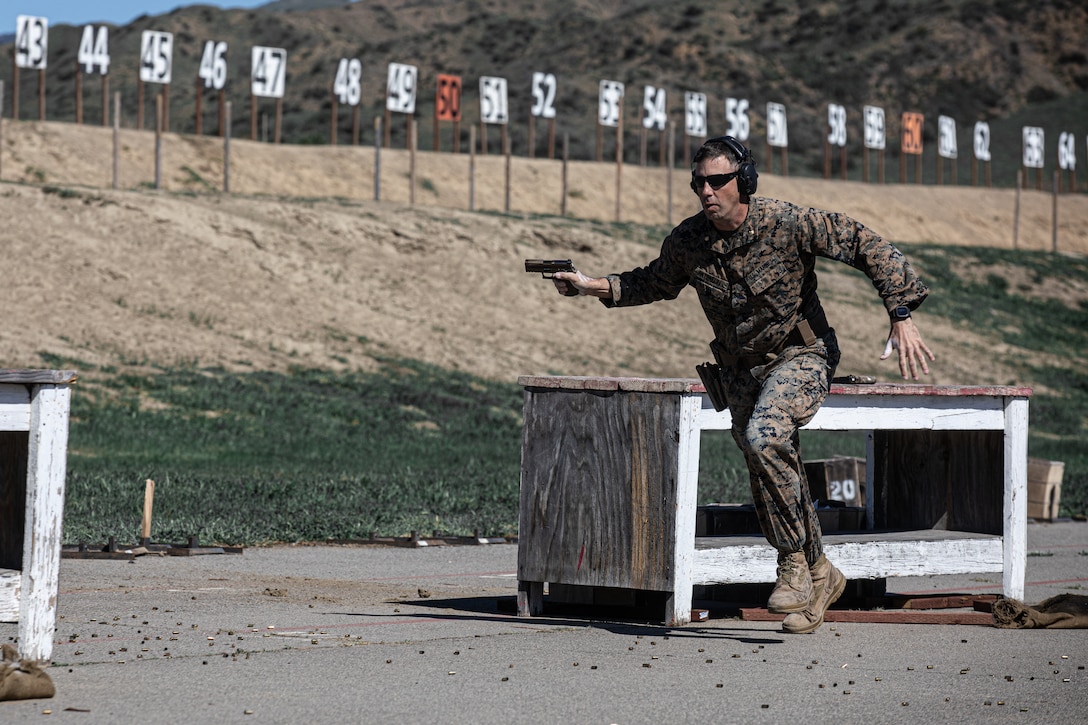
(946, 137)
(31, 42)
(736, 118)
(493, 100)
(875, 128)
(654, 111)
(1067, 152)
(268, 76)
(982, 141)
(910, 138)
(213, 65)
(400, 88)
(156, 56)
(348, 84)
(695, 114)
(94, 49)
(448, 98)
(610, 103)
(1034, 145)
(836, 124)
(544, 87)
(777, 133)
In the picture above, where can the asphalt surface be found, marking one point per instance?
(393, 635)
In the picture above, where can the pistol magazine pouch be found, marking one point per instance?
(711, 376)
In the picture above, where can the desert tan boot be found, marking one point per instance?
(793, 590)
(828, 584)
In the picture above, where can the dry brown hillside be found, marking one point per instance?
(299, 266)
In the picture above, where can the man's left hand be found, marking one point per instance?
(905, 338)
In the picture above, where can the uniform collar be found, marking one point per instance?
(724, 242)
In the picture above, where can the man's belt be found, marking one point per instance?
(804, 335)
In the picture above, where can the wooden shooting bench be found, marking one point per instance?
(610, 472)
(33, 461)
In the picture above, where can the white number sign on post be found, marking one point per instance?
(875, 128)
(1067, 152)
(31, 42)
(736, 117)
(493, 100)
(94, 49)
(268, 77)
(1034, 146)
(946, 137)
(348, 85)
(544, 88)
(156, 56)
(610, 103)
(401, 88)
(654, 111)
(695, 114)
(213, 65)
(836, 124)
(982, 141)
(777, 132)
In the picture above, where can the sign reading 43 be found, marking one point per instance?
(156, 56)
(493, 101)
(269, 72)
(31, 41)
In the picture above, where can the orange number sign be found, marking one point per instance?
(912, 133)
(448, 99)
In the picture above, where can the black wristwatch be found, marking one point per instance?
(900, 313)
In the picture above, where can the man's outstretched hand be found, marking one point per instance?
(905, 338)
(581, 284)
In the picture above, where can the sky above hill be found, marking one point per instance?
(115, 12)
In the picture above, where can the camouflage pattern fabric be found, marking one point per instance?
(768, 405)
(756, 283)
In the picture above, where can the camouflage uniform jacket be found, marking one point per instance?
(756, 283)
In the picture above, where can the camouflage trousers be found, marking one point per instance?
(768, 405)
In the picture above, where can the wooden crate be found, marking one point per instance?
(1044, 488)
(837, 479)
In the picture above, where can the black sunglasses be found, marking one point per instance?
(716, 181)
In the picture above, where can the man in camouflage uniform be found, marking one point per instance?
(752, 262)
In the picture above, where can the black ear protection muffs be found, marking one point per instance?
(747, 177)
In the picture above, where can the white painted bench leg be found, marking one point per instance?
(1015, 507)
(678, 605)
(46, 469)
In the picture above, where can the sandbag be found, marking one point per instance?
(22, 680)
(1064, 611)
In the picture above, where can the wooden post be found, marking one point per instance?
(332, 121)
(105, 100)
(226, 149)
(880, 166)
(411, 160)
(472, 168)
(551, 138)
(918, 169)
(506, 153)
(377, 158)
(827, 156)
(158, 140)
(483, 138)
(1, 129)
(41, 94)
(532, 136)
(566, 159)
(116, 138)
(1016, 210)
(279, 119)
(642, 145)
(1054, 213)
(224, 120)
(865, 164)
(600, 141)
(252, 117)
(165, 107)
(14, 86)
(149, 503)
(619, 165)
(140, 105)
(355, 125)
(79, 94)
(669, 169)
(198, 97)
(387, 125)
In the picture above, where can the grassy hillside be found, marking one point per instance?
(1011, 62)
(310, 454)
